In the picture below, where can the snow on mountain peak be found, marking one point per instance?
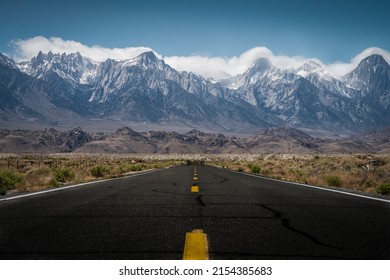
(144, 88)
(313, 68)
(73, 67)
(148, 59)
(7, 61)
(372, 73)
(373, 61)
(310, 66)
(145, 60)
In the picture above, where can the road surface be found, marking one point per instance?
(148, 216)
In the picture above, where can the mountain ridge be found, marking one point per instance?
(147, 90)
(126, 140)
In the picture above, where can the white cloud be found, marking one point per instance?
(220, 67)
(209, 67)
(341, 68)
(217, 67)
(26, 49)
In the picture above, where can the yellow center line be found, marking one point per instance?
(196, 246)
(195, 174)
(195, 187)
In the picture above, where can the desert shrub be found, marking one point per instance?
(267, 172)
(63, 174)
(369, 183)
(240, 169)
(334, 181)
(100, 171)
(383, 188)
(124, 168)
(9, 179)
(255, 169)
(136, 167)
(54, 183)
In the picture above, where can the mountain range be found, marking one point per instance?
(68, 90)
(125, 140)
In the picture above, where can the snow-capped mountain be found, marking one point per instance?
(147, 90)
(370, 76)
(313, 69)
(145, 69)
(72, 67)
(311, 97)
(371, 81)
(27, 100)
(315, 74)
(258, 70)
(7, 61)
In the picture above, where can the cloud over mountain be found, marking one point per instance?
(28, 48)
(209, 67)
(147, 90)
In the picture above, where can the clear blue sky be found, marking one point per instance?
(329, 30)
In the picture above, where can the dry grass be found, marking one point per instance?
(355, 172)
(47, 171)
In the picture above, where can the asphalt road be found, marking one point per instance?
(148, 216)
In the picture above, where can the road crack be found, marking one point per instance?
(286, 224)
(200, 201)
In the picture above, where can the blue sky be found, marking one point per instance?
(328, 30)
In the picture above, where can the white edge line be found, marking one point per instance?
(75, 186)
(313, 187)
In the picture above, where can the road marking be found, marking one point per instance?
(194, 189)
(313, 187)
(195, 178)
(196, 246)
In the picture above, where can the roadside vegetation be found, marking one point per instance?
(23, 173)
(364, 173)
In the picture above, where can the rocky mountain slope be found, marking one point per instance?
(126, 140)
(64, 90)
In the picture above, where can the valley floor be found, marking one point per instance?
(358, 172)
